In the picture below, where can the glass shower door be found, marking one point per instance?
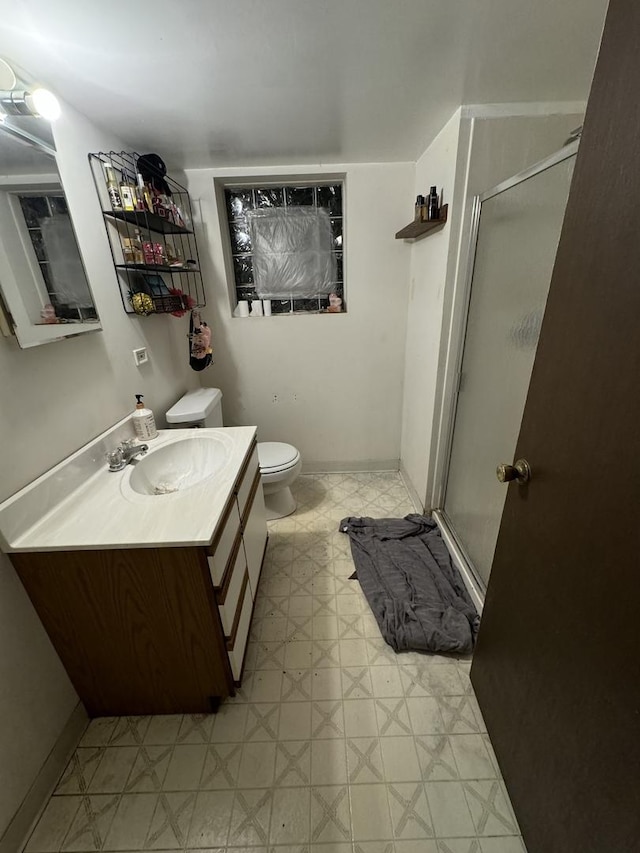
(518, 235)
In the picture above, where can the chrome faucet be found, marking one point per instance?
(125, 454)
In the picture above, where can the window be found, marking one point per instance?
(297, 259)
(54, 244)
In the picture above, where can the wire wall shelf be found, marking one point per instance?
(148, 219)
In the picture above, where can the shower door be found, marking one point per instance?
(518, 227)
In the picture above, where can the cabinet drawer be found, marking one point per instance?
(220, 552)
(237, 650)
(244, 490)
(229, 595)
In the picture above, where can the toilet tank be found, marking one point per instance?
(199, 408)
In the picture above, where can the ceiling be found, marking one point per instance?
(248, 82)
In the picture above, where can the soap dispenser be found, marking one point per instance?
(144, 422)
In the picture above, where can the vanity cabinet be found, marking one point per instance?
(156, 630)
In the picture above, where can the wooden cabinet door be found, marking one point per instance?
(137, 630)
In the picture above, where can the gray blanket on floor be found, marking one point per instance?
(417, 596)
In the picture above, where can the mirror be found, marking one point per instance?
(43, 282)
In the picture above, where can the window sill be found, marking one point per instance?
(294, 314)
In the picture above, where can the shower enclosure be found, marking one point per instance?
(515, 234)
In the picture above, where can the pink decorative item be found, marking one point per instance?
(48, 314)
(200, 350)
(149, 256)
(335, 304)
(159, 254)
(188, 301)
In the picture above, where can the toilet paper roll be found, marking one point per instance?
(242, 309)
(266, 306)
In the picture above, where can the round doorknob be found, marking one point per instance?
(520, 471)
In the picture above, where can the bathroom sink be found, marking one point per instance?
(180, 465)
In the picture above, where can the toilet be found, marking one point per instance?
(280, 463)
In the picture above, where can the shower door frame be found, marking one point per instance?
(451, 380)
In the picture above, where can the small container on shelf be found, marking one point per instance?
(144, 196)
(112, 187)
(433, 206)
(432, 217)
(149, 256)
(128, 252)
(174, 256)
(128, 196)
(159, 254)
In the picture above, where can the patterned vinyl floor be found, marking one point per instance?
(334, 744)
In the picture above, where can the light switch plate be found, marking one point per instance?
(140, 356)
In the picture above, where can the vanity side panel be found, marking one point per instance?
(137, 629)
(255, 533)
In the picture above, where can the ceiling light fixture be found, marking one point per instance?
(40, 103)
(44, 103)
(19, 102)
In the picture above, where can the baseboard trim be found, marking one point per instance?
(349, 467)
(410, 488)
(21, 824)
(523, 109)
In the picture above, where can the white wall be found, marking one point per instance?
(481, 150)
(36, 698)
(337, 378)
(431, 259)
(54, 399)
(65, 393)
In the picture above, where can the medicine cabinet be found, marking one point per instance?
(44, 287)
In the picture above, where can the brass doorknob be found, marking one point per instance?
(520, 471)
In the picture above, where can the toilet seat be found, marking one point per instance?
(277, 456)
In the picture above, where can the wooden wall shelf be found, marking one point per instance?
(420, 229)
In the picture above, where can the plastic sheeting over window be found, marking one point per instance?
(69, 281)
(292, 252)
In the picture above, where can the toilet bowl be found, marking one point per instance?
(280, 463)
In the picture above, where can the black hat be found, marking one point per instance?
(153, 170)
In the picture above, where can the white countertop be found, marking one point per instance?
(81, 505)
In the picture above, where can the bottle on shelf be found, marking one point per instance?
(419, 206)
(433, 205)
(128, 253)
(127, 195)
(144, 197)
(140, 206)
(173, 254)
(138, 252)
(112, 187)
(132, 250)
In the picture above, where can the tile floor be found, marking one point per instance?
(334, 744)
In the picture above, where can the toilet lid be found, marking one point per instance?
(275, 455)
